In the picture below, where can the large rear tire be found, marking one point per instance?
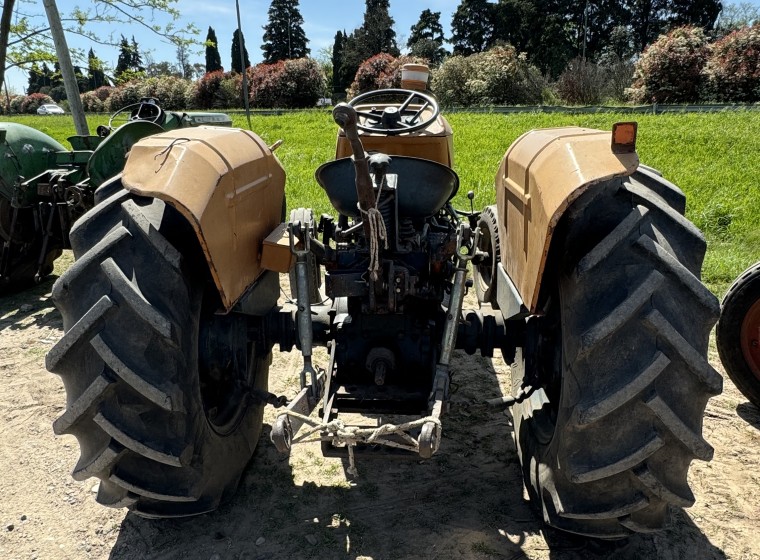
(738, 333)
(164, 426)
(606, 441)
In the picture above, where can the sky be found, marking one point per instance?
(322, 19)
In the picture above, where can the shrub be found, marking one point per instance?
(296, 83)
(380, 71)
(103, 92)
(91, 103)
(122, 96)
(670, 69)
(497, 76)
(169, 90)
(16, 103)
(230, 94)
(733, 68)
(585, 83)
(205, 90)
(58, 93)
(32, 102)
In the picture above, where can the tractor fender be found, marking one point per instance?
(540, 175)
(227, 183)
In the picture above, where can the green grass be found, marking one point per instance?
(713, 157)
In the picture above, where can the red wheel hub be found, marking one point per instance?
(750, 338)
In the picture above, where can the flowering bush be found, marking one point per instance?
(733, 68)
(169, 90)
(91, 102)
(203, 94)
(103, 92)
(32, 102)
(497, 76)
(379, 72)
(122, 96)
(16, 102)
(670, 69)
(295, 83)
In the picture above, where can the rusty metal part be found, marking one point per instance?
(539, 176)
(226, 183)
(345, 116)
(750, 338)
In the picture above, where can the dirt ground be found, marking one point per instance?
(467, 502)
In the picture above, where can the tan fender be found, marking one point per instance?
(541, 174)
(228, 185)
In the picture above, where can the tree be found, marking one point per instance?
(374, 36)
(736, 16)
(213, 60)
(284, 37)
(700, 13)
(426, 39)
(337, 62)
(136, 60)
(184, 68)
(124, 62)
(96, 75)
(238, 65)
(472, 27)
(647, 19)
(25, 38)
(35, 79)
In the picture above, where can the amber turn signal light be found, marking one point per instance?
(624, 137)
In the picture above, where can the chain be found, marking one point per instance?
(265, 397)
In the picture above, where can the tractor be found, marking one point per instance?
(586, 271)
(737, 334)
(45, 188)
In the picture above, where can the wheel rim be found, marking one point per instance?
(750, 338)
(485, 268)
(225, 380)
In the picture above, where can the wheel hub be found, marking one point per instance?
(750, 338)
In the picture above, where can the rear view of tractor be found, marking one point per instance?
(586, 271)
(45, 188)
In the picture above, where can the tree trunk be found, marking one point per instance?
(5, 31)
(67, 69)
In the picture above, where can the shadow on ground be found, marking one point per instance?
(464, 503)
(749, 413)
(19, 305)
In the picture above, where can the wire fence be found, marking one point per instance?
(655, 109)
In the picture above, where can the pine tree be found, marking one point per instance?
(238, 65)
(337, 63)
(426, 39)
(136, 62)
(124, 62)
(472, 27)
(284, 37)
(213, 60)
(375, 36)
(35, 79)
(96, 76)
(701, 13)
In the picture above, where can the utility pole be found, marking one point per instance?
(245, 70)
(67, 69)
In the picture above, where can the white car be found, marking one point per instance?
(50, 109)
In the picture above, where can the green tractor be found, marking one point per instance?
(45, 188)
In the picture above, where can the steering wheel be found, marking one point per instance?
(396, 118)
(142, 111)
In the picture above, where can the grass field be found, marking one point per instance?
(713, 157)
